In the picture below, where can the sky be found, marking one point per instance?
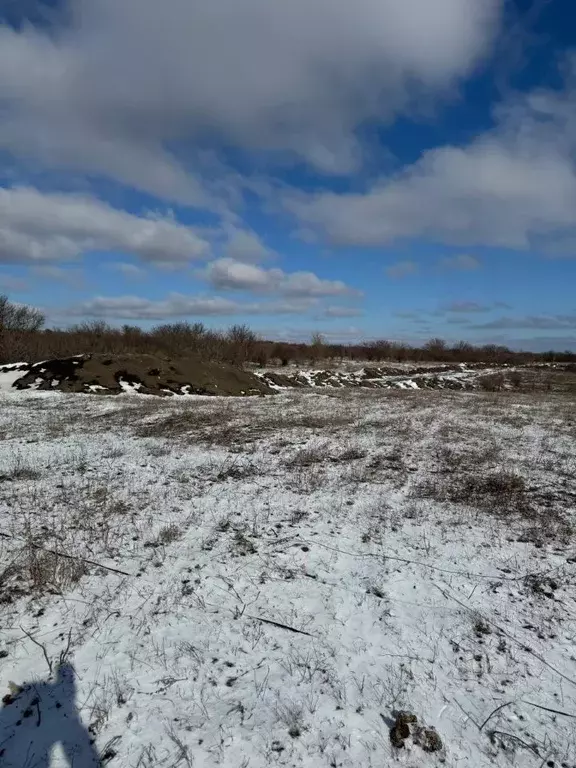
(398, 169)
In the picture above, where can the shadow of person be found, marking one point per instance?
(39, 716)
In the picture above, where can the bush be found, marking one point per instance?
(18, 317)
(492, 383)
(22, 339)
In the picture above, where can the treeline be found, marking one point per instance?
(23, 338)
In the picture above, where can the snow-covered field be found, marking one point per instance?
(269, 581)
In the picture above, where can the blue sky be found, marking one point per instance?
(392, 169)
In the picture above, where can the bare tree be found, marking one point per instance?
(18, 323)
(19, 317)
(437, 349)
(241, 344)
(317, 347)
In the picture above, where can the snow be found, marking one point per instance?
(11, 373)
(130, 387)
(301, 509)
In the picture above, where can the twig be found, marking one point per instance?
(468, 715)
(407, 561)
(43, 647)
(61, 554)
(532, 747)
(64, 653)
(547, 709)
(506, 704)
(282, 626)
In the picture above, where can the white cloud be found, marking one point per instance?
(228, 274)
(402, 269)
(331, 335)
(542, 322)
(178, 305)
(338, 311)
(512, 187)
(463, 262)
(463, 307)
(37, 227)
(540, 343)
(127, 78)
(72, 277)
(247, 246)
(12, 284)
(128, 270)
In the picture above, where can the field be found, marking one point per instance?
(289, 580)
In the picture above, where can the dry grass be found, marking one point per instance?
(461, 458)
(383, 533)
(504, 496)
(226, 424)
(169, 533)
(33, 571)
(306, 457)
(306, 479)
(502, 490)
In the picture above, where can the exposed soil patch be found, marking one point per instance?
(406, 727)
(453, 376)
(458, 376)
(151, 374)
(146, 374)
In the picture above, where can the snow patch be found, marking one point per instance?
(276, 612)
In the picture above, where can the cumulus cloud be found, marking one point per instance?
(462, 262)
(178, 305)
(122, 81)
(36, 227)
(228, 274)
(512, 187)
(245, 245)
(402, 269)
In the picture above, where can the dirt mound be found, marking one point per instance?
(146, 374)
(457, 376)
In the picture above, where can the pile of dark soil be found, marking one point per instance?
(416, 377)
(146, 374)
